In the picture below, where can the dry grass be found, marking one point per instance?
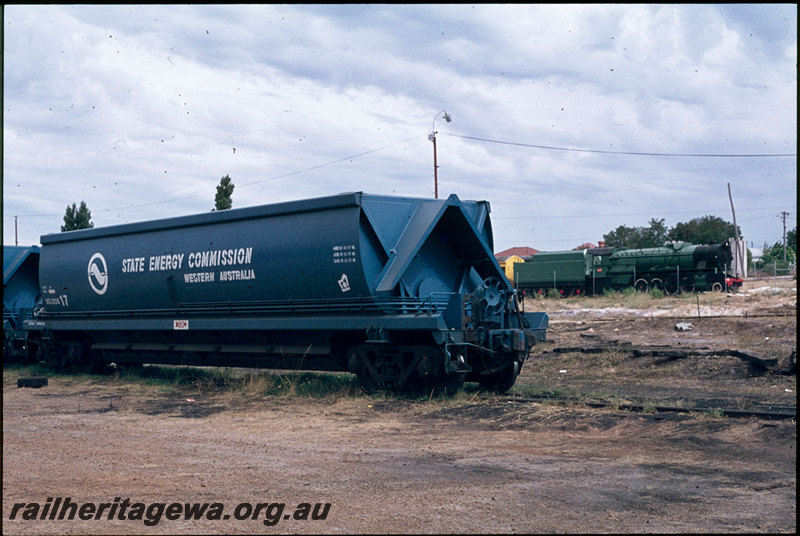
(754, 293)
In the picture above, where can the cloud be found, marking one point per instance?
(139, 110)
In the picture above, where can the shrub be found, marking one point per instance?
(611, 294)
(656, 293)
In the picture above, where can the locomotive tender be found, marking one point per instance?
(675, 267)
(402, 292)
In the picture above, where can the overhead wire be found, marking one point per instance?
(474, 138)
(615, 214)
(631, 153)
(276, 177)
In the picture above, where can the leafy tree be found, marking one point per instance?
(705, 230)
(656, 234)
(223, 200)
(77, 218)
(638, 237)
(622, 236)
(773, 257)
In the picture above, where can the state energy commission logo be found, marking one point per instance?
(98, 274)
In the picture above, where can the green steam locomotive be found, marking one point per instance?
(675, 267)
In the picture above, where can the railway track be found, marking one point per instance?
(565, 318)
(767, 412)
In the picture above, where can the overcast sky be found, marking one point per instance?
(571, 120)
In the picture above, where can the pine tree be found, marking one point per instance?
(223, 199)
(77, 218)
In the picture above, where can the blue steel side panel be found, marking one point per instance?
(224, 216)
(479, 213)
(280, 257)
(413, 236)
(14, 257)
(432, 246)
(346, 247)
(20, 282)
(389, 216)
(538, 323)
(263, 323)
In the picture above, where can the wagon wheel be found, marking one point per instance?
(368, 383)
(96, 362)
(51, 354)
(717, 286)
(657, 283)
(641, 285)
(8, 348)
(687, 284)
(671, 285)
(361, 361)
(42, 354)
(502, 380)
(446, 384)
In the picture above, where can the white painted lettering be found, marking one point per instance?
(199, 277)
(194, 260)
(237, 275)
(220, 257)
(165, 262)
(133, 264)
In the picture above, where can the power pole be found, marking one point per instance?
(783, 216)
(432, 137)
(740, 268)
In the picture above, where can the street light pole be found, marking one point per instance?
(432, 137)
(435, 167)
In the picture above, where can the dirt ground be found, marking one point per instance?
(475, 463)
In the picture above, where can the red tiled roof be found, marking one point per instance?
(523, 252)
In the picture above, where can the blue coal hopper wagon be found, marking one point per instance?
(403, 292)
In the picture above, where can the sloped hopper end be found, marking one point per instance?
(20, 282)
(440, 252)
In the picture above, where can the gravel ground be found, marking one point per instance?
(386, 464)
